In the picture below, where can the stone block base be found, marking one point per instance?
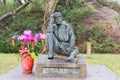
(57, 67)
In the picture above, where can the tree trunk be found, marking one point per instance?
(50, 7)
(9, 14)
(4, 1)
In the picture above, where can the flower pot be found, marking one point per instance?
(27, 64)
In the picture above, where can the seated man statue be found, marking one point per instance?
(61, 38)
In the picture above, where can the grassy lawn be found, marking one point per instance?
(112, 61)
(7, 62)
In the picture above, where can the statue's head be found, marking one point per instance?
(58, 18)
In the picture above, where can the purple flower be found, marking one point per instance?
(40, 34)
(37, 36)
(13, 37)
(21, 37)
(43, 36)
(32, 38)
(28, 38)
(35, 39)
(27, 32)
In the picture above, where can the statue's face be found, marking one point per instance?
(58, 19)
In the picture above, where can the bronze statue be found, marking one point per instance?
(61, 38)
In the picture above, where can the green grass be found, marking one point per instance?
(112, 61)
(7, 62)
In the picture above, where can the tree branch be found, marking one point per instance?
(9, 14)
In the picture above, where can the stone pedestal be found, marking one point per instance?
(57, 67)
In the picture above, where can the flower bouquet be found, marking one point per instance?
(27, 41)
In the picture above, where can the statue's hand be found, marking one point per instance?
(51, 19)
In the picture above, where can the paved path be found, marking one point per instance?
(118, 78)
(94, 72)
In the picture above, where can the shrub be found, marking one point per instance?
(65, 6)
(78, 15)
(96, 33)
(107, 46)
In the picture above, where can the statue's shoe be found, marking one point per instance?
(50, 56)
(71, 60)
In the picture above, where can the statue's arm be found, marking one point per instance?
(51, 24)
(50, 29)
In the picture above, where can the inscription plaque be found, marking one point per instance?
(60, 70)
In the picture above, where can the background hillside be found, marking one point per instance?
(92, 21)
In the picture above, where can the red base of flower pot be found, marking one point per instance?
(27, 64)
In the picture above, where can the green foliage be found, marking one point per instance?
(73, 4)
(33, 54)
(4, 47)
(7, 8)
(66, 6)
(78, 15)
(73, 11)
(107, 46)
(96, 34)
(38, 47)
(62, 9)
(38, 4)
(79, 30)
(28, 18)
(117, 19)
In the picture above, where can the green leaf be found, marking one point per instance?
(18, 57)
(33, 54)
